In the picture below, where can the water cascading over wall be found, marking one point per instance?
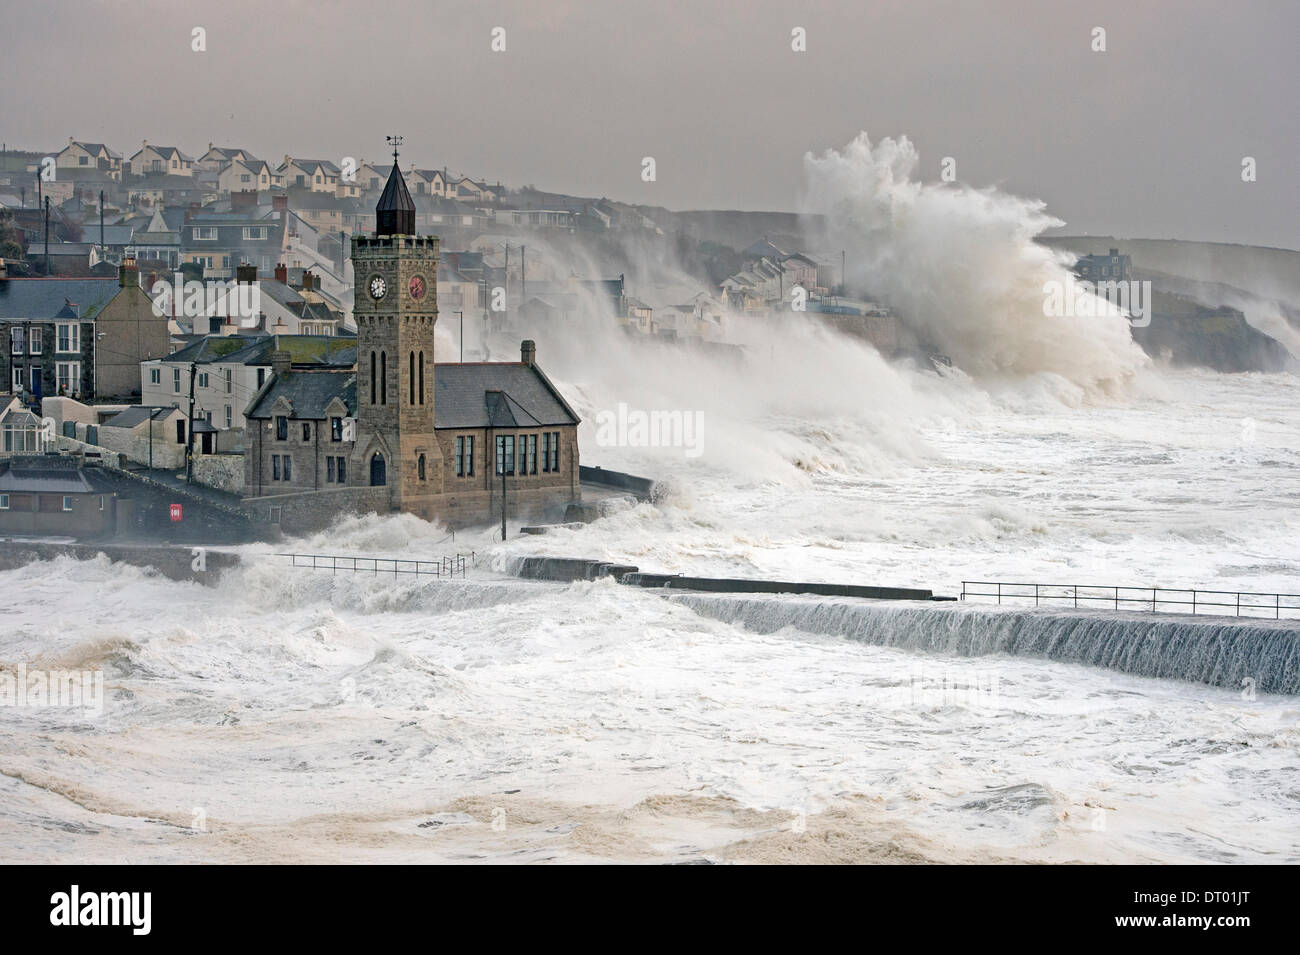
(1227, 652)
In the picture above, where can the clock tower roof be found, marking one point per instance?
(395, 211)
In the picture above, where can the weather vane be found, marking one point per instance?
(394, 141)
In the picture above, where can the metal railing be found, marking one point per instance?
(451, 566)
(1152, 599)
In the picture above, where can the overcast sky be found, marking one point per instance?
(1143, 140)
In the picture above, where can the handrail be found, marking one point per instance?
(1151, 599)
(447, 566)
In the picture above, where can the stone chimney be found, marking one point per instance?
(280, 362)
(528, 352)
(282, 273)
(245, 274)
(308, 281)
(128, 273)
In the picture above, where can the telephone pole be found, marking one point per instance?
(189, 430)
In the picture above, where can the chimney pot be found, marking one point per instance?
(282, 273)
(528, 352)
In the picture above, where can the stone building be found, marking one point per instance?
(400, 431)
(78, 337)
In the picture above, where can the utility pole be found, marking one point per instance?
(189, 431)
(152, 413)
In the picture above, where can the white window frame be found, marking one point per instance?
(67, 502)
(73, 339)
(155, 376)
(71, 370)
(4, 502)
(205, 233)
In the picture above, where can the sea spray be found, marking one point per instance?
(960, 265)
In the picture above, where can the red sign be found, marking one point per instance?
(176, 512)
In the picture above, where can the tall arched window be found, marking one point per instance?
(410, 380)
(419, 466)
(372, 377)
(421, 377)
(383, 378)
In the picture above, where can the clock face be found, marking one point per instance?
(417, 287)
(378, 288)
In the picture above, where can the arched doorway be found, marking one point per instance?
(378, 478)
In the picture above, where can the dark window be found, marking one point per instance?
(383, 378)
(505, 454)
(288, 468)
(546, 451)
(469, 455)
(378, 474)
(421, 377)
(419, 467)
(306, 430)
(460, 456)
(180, 431)
(343, 470)
(410, 381)
(329, 470)
(532, 454)
(336, 429)
(372, 378)
(555, 450)
(275, 467)
(281, 428)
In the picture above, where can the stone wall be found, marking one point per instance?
(225, 472)
(305, 512)
(178, 563)
(134, 444)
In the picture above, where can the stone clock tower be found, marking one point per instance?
(395, 306)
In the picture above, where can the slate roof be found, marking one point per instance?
(130, 417)
(395, 211)
(48, 475)
(42, 299)
(334, 350)
(460, 396)
(471, 395)
(96, 148)
(309, 391)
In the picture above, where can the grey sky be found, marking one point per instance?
(1145, 139)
